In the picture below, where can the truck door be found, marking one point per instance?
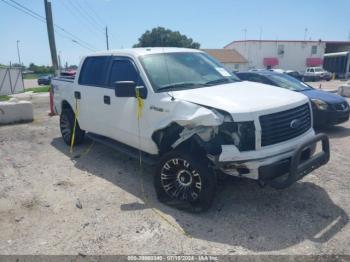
(122, 123)
(89, 91)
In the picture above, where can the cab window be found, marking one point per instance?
(93, 71)
(123, 70)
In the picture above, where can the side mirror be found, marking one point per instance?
(128, 89)
(143, 91)
(125, 88)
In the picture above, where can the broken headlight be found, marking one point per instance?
(240, 134)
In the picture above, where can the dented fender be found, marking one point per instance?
(190, 114)
(185, 120)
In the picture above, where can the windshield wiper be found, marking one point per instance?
(217, 81)
(178, 85)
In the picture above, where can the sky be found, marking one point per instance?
(213, 24)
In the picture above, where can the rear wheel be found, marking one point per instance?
(185, 179)
(67, 125)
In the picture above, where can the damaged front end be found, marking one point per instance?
(205, 133)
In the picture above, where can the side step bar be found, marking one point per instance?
(127, 150)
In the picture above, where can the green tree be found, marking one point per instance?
(162, 37)
(18, 65)
(41, 69)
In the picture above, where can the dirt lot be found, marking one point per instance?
(40, 184)
(328, 85)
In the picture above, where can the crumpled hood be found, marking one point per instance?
(242, 97)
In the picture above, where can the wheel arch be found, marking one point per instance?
(65, 105)
(165, 139)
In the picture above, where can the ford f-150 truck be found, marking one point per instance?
(191, 117)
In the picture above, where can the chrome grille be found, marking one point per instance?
(341, 106)
(285, 125)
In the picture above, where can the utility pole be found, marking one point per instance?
(59, 61)
(51, 34)
(305, 33)
(107, 38)
(19, 57)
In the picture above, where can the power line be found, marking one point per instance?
(22, 10)
(75, 15)
(79, 11)
(39, 17)
(101, 21)
(75, 41)
(92, 17)
(96, 15)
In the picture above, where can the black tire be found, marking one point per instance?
(185, 181)
(67, 125)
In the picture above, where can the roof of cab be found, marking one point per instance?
(144, 51)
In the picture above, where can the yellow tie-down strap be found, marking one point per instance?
(139, 103)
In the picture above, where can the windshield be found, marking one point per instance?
(174, 71)
(289, 82)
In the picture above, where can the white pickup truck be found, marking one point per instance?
(316, 74)
(192, 118)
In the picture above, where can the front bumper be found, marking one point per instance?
(328, 117)
(295, 158)
(298, 166)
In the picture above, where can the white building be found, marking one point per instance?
(284, 54)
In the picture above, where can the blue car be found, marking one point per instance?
(328, 108)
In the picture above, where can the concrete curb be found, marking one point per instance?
(344, 91)
(14, 111)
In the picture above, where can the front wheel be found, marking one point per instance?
(185, 179)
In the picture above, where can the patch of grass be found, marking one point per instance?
(39, 89)
(4, 98)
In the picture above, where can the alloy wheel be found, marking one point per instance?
(180, 181)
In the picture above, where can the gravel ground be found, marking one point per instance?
(328, 85)
(55, 203)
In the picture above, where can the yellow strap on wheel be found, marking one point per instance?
(76, 112)
(144, 197)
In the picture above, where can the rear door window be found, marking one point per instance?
(93, 72)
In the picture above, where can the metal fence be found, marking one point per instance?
(11, 81)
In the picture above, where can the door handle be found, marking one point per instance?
(77, 95)
(107, 100)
